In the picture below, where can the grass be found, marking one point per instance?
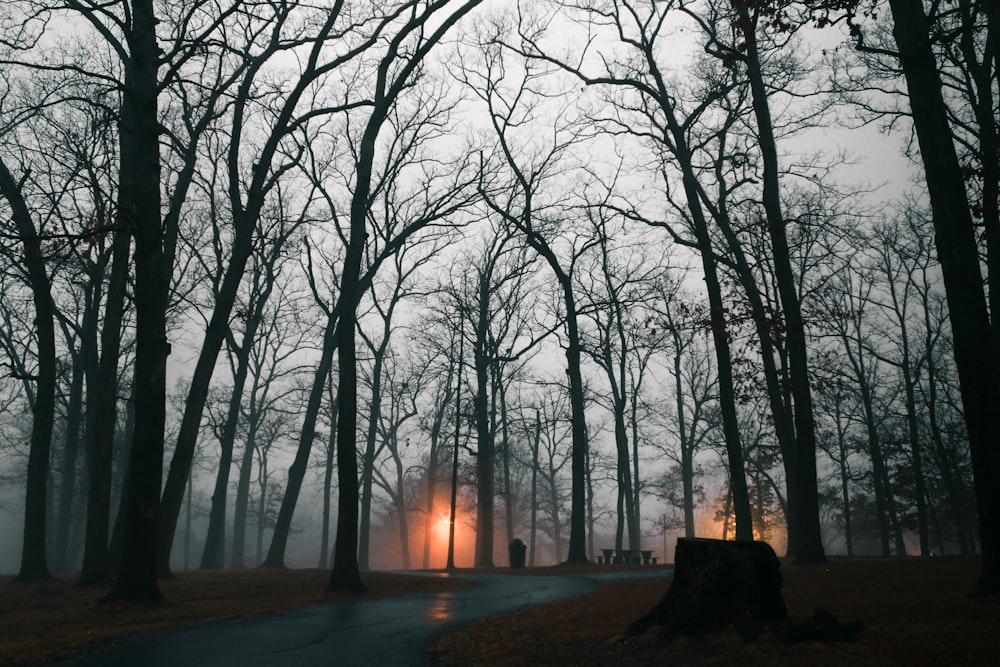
(916, 612)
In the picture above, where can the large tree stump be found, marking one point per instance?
(716, 584)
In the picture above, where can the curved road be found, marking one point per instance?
(372, 633)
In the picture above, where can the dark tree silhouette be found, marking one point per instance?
(34, 564)
(419, 33)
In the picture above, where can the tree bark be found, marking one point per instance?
(719, 583)
(484, 434)
(331, 452)
(297, 472)
(808, 543)
(139, 194)
(34, 565)
(976, 353)
(96, 568)
(71, 448)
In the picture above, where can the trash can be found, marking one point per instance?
(517, 552)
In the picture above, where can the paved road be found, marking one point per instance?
(373, 633)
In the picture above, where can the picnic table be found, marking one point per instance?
(626, 557)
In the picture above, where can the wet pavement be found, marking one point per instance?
(385, 632)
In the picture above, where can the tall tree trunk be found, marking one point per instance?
(717, 319)
(636, 485)
(505, 448)
(577, 514)
(242, 504)
(534, 488)
(96, 570)
(845, 495)
(589, 469)
(404, 525)
(777, 395)
(977, 353)
(139, 196)
(34, 565)
(368, 458)
(346, 574)
(331, 452)
(194, 405)
(484, 434)
(727, 392)
(187, 522)
(67, 486)
(213, 554)
(433, 468)
(450, 564)
(687, 448)
(919, 484)
(297, 472)
(578, 416)
(808, 541)
(944, 462)
(879, 475)
(557, 538)
(262, 506)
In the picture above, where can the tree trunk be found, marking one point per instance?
(34, 566)
(368, 458)
(346, 574)
(297, 471)
(687, 448)
(718, 583)
(194, 405)
(845, 495)
(241, 507)
(331, 452)
(450, 563)
(96, 570)
(213, 554)
(577, 514)
(808, 541)
(404, 525)
(720, 337)
(534, 488)
(505, 439)
(484, 434)
(67, 487)
(919, 485)
(976, 353)
(139, 194)
(433, 467)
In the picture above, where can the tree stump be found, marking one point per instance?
(719, 583)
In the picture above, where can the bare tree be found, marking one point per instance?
(976, 339)
(517, 187)
(34, 564)
(422, 26)
(619, 289)
(644, 104)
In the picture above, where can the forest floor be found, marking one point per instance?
(916, 612)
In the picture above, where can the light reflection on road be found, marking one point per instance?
(442, 608)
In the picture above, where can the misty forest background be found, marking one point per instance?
(622, 271)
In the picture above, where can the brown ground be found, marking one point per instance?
(42, 622)
(916, 612)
